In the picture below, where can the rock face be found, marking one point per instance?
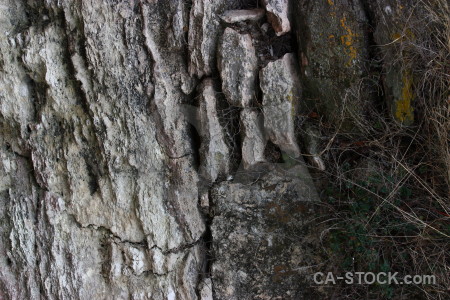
(280, 84)
(214, 152)
(260, 232)
(106, 189)
(98, 186)
(333, 53)
(278, 16)
(238, 66)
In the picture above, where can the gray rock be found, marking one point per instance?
(280, 84)
(277, 14)
(259, 235)
(204, 32)
(253, 137)
(238, 66)
(235, 16)
(214, 152)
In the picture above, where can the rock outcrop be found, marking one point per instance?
(108, 190)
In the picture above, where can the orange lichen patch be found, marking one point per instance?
(331, 36)
(404, 112)
(349, 40)
(330, 2)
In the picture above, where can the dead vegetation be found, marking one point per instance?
(387, 186)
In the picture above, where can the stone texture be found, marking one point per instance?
(254, 138)
(97, 162)
(278, 15)
(238, 66)
(333, 42)
(214, 152)
(241, 15)
(260, 233)
(280, 84)
(204, 31)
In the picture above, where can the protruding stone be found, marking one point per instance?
(238, 67)
(204, 31)
(254, 138)
(214, 152)
(260, 234)
(277, 14)
(241, 15)
(281, 88)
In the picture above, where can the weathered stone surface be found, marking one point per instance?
(240, 15)
(395, 22)
(333, 43)
(97, 162)
(278, 15)
(238, 66)
(260, 233)
(280, 84)
(204, 32)
(254, 138)
(214, 152)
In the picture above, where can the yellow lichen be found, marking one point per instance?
(404, 112)
(330, 2)
(348, 40)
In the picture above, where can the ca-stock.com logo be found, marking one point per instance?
(369, 278)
